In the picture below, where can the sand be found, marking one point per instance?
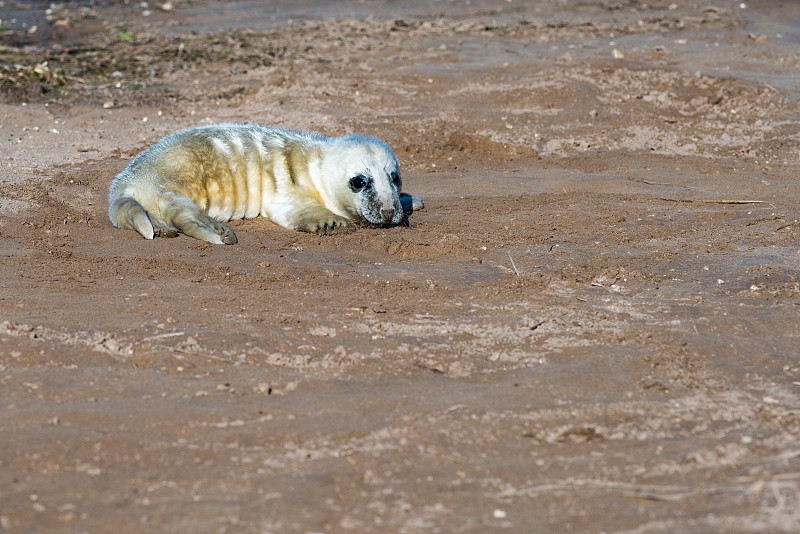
(592, 326)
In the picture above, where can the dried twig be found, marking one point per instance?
(656, 492)
(161, 336)
(712, 201)
(512, 263)
(201, 354)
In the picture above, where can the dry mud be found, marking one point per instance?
(593, 325)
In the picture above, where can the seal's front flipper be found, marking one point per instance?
(317, 218)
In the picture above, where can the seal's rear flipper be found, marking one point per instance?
(179, 211)
(125, 212)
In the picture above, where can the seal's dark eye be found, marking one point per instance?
(395, 178)
(358, 183)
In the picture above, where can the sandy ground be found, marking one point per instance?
(593, 325)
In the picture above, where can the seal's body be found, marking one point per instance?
(195, 180)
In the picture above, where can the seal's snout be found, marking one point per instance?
(387, 215)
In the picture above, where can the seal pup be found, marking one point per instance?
(195, 180)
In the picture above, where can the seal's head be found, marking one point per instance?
(365, 179)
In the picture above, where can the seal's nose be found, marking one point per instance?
(387, 215)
